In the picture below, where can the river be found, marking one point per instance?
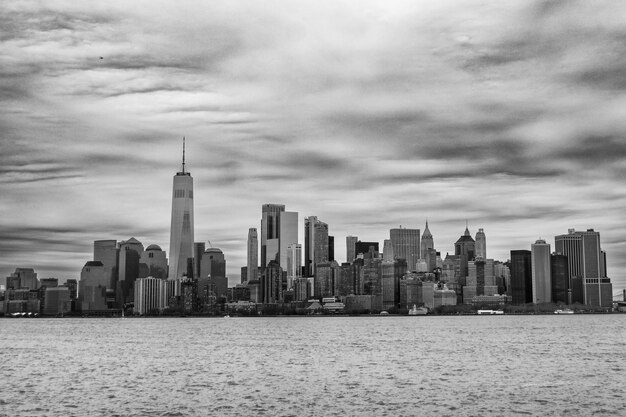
(299, 366)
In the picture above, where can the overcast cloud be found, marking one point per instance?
(370, 115)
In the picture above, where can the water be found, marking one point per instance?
(334, 366)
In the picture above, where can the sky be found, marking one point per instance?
(368, 114)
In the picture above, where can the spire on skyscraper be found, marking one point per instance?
(467, 232)
(426, 231)
(183, 168)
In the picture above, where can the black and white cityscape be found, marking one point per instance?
(302, 208)
(285, 274)
(358, 130)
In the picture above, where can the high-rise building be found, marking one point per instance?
(350, 248)
(406, 245)
(294, 263)
(22, 278)
(270, 228)
(57, 301)
(540, 264)
(331, 248)
(464, 248)
(521, 290)
(198, 251)
(559, 277)
(315, 244)
(362, 248)
(426, 243)
(288, 234)
(253, 255)
(92, 287)
(129, 270)
(156, 261)
(150, 295)
(388, 253)
(586, 261)
(182, 226)
(481, 244)
(272, 283)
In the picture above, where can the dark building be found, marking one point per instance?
(559, 279)
(465, 249)
(331, 248)
(521, 290)
(198, 251)
(364, 247)
(272, 283)
(244, 274)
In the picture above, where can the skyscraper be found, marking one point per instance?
(181, 230)
(253, 255)
(426, 242)
(350, 248)
(294, 263)
(388, 254)
(540, 264)
(315, 244)
(464, 248)
(288, 234)
(406, 245)
(521, 290)
(481, 244)
(270, 229)
(586, 261)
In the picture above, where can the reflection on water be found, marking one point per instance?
(385, 366)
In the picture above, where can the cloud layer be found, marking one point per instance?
(366, 114)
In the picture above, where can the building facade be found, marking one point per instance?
(182, 223)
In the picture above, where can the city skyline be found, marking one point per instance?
(368, 116)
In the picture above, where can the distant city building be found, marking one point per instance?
(559, 280)
(107, 251)
(521, 290)
(182, 225)
(406, 245)
(391, 274)
(129, 270)
(198, 251)
(388, 253)
(270, 229)
(22, 278)
(480, 279)
(156, 261)
(272, 283)
(150, 295)
(57, 301)
(92, 288)
(331, 248)
(288, 234)
(464, 248)
(294, 263)
(350, 248)
(315, 244)
(426, 243)
(541, 277)
(213, 274)
(252, 256)
(586, 261)
(361, 248)
(481, 244)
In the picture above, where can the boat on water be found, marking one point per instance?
(489, 312)
(565, 311)
(415, 311)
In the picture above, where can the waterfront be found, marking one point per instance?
(471, 365)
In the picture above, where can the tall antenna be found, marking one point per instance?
(183, 154)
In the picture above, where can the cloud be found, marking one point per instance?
(368, 115)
